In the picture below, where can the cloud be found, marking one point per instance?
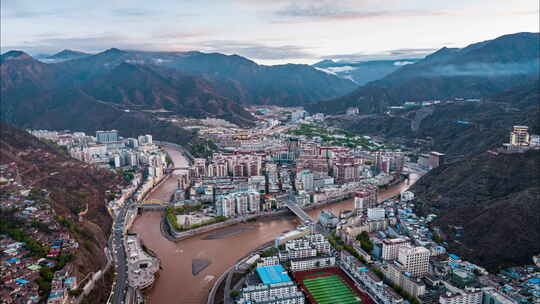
(401, 63)
(133, 12)
(95, 43)
(165, 42)
(406, 53)
(298, 12)
(256, 50)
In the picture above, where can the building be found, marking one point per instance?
(352, 111)
(435, 159)
(309, 263)
(395, 274)
(107, 136)
(375, 213)
(491, 296)
(473, 297)
(297, 115)
(305, 180)
(415, 260)
(291, 235)
(276, 287)
(366, 198)
(390, 247)
(328, 219)
(238, 203)
(406, 196)
(268, 261)
(520, 136)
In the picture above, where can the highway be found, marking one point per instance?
(118, 251)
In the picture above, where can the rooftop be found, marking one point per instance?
(273, 274)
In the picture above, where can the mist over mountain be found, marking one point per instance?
(362, 72)
(475, 71)
(63, 55)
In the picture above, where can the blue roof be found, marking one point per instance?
(273, 274)
(13, 260)
(534, 281)
(453, 256)
(20, 281)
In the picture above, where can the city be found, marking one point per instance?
(270, 152)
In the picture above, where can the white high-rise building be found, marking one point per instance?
(390, 247)
(415, 260)
(106, 136)
(375, 213)
(473, 297)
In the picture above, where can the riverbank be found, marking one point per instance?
(176, 235)
(177, 279)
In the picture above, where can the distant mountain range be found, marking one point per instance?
(362, 72)
(63, 55)
(475, 71)
(110, 88)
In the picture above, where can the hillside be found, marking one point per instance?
(25, 81)
(73, 186)
(466, 128)
(487, 206)
(478, 70)
(234, 77)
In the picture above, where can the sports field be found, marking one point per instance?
(330, 289)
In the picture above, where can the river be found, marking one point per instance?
(176, 284)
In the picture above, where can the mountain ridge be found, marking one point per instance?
(477, 70)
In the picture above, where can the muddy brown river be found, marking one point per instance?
(176, 283)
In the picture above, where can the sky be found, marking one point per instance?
(266, 31)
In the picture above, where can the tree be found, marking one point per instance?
(234, 293)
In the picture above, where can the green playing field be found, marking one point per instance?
(330, 290)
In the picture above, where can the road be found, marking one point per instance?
(118, 250)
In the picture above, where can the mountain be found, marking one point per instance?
(460, 128)
(362, 72)
(233, 76)
(26, 82)
(75, 186)
(487, 207)
(187, 84)
(478, 70)
(63, 56)
(141, 85)
(21, 74)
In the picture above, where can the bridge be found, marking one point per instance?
(169, 170)
(297, 210)
(150, 204)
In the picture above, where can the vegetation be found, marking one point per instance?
(365, 242)
(337, 137)
(269, 252)
(15, 229)
(46, 274)
(187, 209)
(171, 218)
(203, 148)
(68, 224)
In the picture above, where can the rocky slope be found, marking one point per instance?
(488, 207)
